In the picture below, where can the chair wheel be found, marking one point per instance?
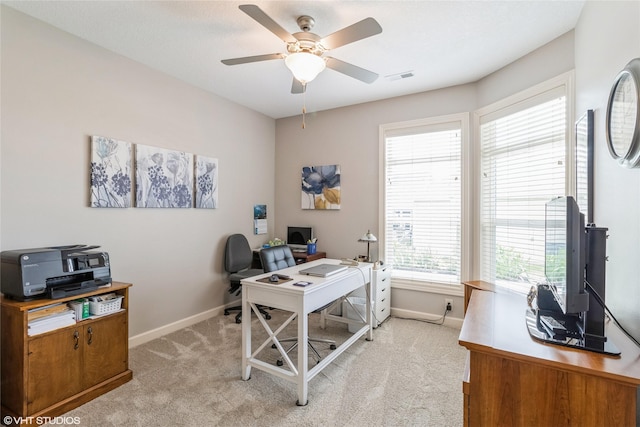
(267, 316)
(273, 346)
(333, 347)
(226, 312)
(238, 320)
(279, 362)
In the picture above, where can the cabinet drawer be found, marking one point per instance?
(383, 308)
(383, 273)
(383, 287)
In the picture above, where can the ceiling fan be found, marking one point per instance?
(305, 50)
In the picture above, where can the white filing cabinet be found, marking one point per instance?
(381, 288)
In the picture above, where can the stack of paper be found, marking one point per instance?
(50, 317)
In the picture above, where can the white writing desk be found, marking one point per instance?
(300, 301)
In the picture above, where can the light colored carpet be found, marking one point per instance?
(409, 375)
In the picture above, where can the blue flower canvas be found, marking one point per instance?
(110, 173)
(321, 187)
(164, 178)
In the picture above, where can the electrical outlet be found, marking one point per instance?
(448, 304)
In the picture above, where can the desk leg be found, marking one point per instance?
(368, 309)
(246, 335)
(303, 354)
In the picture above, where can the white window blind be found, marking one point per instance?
(523, 163)
(423, 187)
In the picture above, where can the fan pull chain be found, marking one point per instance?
(304, 104)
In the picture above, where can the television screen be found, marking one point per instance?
(297, 237)
(565, 254)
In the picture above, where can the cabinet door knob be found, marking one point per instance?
(90, 331)
(76, 339)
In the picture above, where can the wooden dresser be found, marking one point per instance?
(514, 380)
(48, 374)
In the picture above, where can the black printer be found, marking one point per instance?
(54, 272)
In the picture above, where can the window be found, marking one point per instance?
(423, 187)
(524, 150)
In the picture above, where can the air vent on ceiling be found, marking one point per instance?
(403, 75)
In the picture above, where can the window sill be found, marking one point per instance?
(427, 287)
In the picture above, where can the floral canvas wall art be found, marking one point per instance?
(164, 178)
(110, 173)
(321, 187)
(206, 182)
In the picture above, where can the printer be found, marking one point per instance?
(54, 272)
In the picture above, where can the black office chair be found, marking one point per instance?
(238, 257)
(277, 258)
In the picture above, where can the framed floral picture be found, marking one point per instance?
(206, 182)
(164, 178)
(110, 173)
(321, 187)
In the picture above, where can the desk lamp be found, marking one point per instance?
(368, 237)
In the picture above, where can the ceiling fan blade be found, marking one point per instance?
(297, 87)
(351, 70)
(247, 59)
(265, 20)
(360, 30)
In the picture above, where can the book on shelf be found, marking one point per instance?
(52, 321)
(36, 313)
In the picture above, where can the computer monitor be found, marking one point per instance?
(297, 237)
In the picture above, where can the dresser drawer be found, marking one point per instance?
(381, 281)
(382, 309)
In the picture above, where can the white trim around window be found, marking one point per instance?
(435, 124)
(519, 112)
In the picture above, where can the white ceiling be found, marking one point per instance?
(443, 43)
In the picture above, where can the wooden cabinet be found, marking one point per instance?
(514, 380)
(51, 373)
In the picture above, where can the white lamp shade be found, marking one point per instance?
(305, 66)
(368, 238)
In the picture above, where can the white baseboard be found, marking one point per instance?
(452, 322)
(175, 326)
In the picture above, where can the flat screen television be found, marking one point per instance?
(297, 237)
(570, 304)
(565, 246)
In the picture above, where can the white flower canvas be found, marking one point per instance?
(206, 182)
(164, 178)
(110, 173)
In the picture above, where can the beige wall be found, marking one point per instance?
(349, 136)
(607, 38)
(57, 91)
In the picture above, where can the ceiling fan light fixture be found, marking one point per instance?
(305, 66)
